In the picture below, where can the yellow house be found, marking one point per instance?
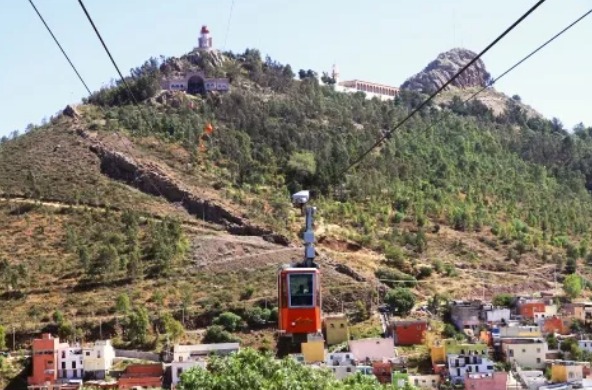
(438, 353)
(313, 351)
(562, 372)
(97, 359)
(336, 329)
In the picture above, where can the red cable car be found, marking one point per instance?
(299, 301)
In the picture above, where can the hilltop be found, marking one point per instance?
(111, 199)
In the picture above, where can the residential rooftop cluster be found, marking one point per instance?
(533, 343)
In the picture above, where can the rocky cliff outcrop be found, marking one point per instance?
(444, 67)
(150, 178)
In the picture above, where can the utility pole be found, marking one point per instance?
(555, 277)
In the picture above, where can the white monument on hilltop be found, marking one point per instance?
(204, 40)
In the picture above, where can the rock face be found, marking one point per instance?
(71, 112)
(149, 178)
(444, 67)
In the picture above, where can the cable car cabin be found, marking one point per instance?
(299, 300)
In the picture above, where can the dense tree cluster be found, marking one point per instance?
(250, 370)
(111, 245)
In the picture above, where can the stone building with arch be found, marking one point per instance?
(195, 83)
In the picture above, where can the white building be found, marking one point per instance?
(189, 356)
(98, 359)
(460, 365)
(498, 315)
(527, 353)
(586, 345)
(428, 382)
(178, 368)
(342, 372)
(340, 359)
(343, 364)
(550, 311)
(372, 90)
(70, 362)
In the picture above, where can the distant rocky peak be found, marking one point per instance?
(444, 67)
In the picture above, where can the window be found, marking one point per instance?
(416, 382)
(524, 351)
(180, 358)
(73, 364)
(98, 354)
(63, 354)
(511, 352)
(538, 360)
(179, 371)
(87, 353)
(571, 375)
(301, 290)
(538, 350)
(348, 369)
(63, 365)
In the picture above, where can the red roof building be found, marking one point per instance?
(556, 324)
(383, 371)
(45, 360)
(411, 332)
(528, 309)
(141, 375)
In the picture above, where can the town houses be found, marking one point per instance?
(533, 343)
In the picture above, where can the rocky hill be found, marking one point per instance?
(118, 200)
(446, 65)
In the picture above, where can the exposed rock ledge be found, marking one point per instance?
(150, 179)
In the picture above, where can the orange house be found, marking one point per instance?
(141, 375)
(555, 325)
(45, 360)
(528, 309)
(409, 332)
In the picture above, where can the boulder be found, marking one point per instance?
(446, 65)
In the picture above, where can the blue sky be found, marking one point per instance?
(384, 41)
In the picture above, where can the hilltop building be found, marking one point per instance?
(196, 82)
(380, 91)
(204, 42)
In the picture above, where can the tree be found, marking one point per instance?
(229, 321)
(401, 300)
(570, 265)
(572, 285)
(2, 338)
(137, 326)
(217, 334)
(503, 300)
(58, 317)
(123, 305)
(249, 370)
(172, 327)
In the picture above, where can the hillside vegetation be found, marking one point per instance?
(458, 189)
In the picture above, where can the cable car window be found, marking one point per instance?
(301, 290)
